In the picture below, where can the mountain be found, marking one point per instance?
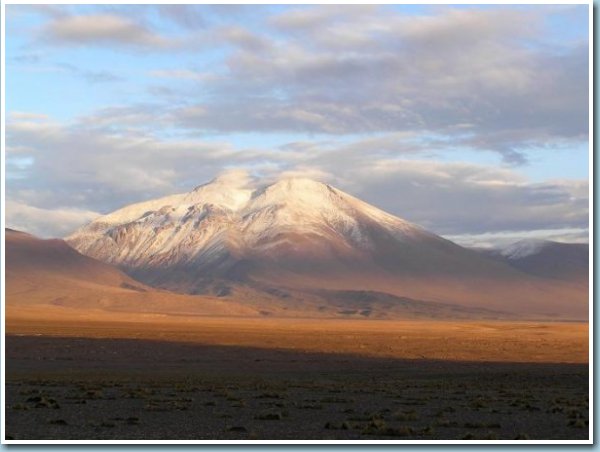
(31, 258)
(547, 259)
(48, 277)
(298, 235)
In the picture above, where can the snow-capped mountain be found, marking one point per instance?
(547, 259)
(523, 248)
(222, 214)
(224, 222)
(302, 235)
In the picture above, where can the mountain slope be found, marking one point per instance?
(49, 276)
(547, 259)
(29, 257)
(302, 235)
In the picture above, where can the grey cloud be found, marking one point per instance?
(117, 119)
(412, 86)
(244, 39)
(27, 58)
(364, 69)
(309, 18)
(188, 16)
(103, 29)
(94, 169)
(90, 75)
(54, 11)
(180, 74)
(462, 198)
(383, 72)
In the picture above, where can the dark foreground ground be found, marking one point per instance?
(76, 388)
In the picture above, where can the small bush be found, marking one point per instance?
(58, 422)
(269, 416)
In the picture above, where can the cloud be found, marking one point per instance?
(370, 97)
(307, 19)
(501, 239)
(102, 29)
(490, 78)
(460, 198)
(45, 10)
(187, 16)
(237, 177)
(244, 39)
(91, 76)
(27, 58)
(88, 167)
(347, 70)
(46, 223)
(181, 74)
(16, 116)
(92, 168)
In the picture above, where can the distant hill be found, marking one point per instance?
(49, 273)
(546, 259)
(30, 259)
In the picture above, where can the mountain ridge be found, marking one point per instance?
(49, 278)
(546, 258)
(300, 234)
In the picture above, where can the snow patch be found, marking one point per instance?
(523, 248)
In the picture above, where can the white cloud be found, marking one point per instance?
(46, 223)
(93, 169)
(27, 116)
(500, 239)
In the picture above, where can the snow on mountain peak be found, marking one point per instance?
(523, 248)
(295, 190)
(231, 215)
(226, 192)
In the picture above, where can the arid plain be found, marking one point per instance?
(78, 374)
(94, 354)
(475, 341)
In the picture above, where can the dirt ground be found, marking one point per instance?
(410, 339)
(159, 377)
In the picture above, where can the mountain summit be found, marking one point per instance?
(300, 235)
(547, 259)
(225, 222)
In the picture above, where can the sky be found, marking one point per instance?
(471, 121)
